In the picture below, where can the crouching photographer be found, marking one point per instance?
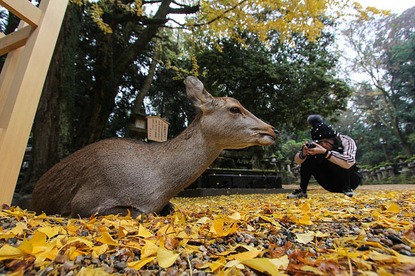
(330, 158)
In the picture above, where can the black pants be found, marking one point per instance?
(330, 176)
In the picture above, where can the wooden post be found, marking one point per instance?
(21, 82)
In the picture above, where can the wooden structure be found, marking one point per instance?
(29, 51)
(152, 128)
(157, 129)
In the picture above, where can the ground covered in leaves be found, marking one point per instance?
(372, 233)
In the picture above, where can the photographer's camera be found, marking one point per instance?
(310, 145)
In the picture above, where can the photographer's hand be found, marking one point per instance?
(318, 149)
(303, 153)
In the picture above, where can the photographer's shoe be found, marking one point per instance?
(298, 194)
(349, 192)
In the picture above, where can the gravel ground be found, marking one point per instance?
(377, 187)
(372, 233)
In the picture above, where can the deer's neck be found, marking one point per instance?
(187, 156)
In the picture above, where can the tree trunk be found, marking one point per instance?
(139, 101)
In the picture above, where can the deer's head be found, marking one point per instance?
(225, 121)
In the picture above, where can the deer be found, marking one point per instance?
(131, 177)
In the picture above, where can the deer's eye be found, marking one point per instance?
(235, 110)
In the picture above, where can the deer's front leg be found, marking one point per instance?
(168, 209)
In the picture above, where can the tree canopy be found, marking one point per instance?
(384, 50)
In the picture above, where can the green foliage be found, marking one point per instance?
(384, 99)
(289, 149)
(401, 65)
(279, 83)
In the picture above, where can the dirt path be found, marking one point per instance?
(391, 187)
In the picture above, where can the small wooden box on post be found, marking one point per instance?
(154, 128)
(29, 50)
(137, 127)
(157, 129)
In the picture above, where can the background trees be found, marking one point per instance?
(106, 49)
(384, 93)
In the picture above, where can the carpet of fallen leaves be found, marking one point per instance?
(372, 233)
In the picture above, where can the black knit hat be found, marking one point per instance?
(320, 129)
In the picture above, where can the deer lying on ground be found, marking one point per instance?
(118, 174)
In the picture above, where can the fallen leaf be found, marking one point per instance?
(393, 208)
(149, 249)
(235, 216)
(8, 252)
(144, 232)
(222, 229)
(137, 265)
(264, 265)
(107, 239)
(305, 237)
(245, 255)
(312, 269)
(165, 257)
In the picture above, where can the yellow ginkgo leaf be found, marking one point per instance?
(235, 216)
(122, 232)
(305, 219)
(305, 207)
(149, 249)
(38, 239)
(5, 236)
(221, 229)
(281, 263)
(376, 256)
(72, 228)
(51, 231)
(167, 229)
(19, 229)
(235, 263)
(8, 252)
(250, 228)
(179, 218)
(320, 234)
(263, 265)
(165, 257)
(362, 235)
(272, 221)
(305, 238)
(245, 255)
(203, 220)
(107, 239)
(87, 242)
(91, 270)
(214, 266)
(74, 252)
(140, 263)
(26, 247)
(231, 230)
(393, 208)
(404, 259)
(312, 269)
(144, 232)
(98, 250)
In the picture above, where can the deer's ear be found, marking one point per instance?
(196, 93)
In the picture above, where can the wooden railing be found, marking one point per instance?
(29, 50)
